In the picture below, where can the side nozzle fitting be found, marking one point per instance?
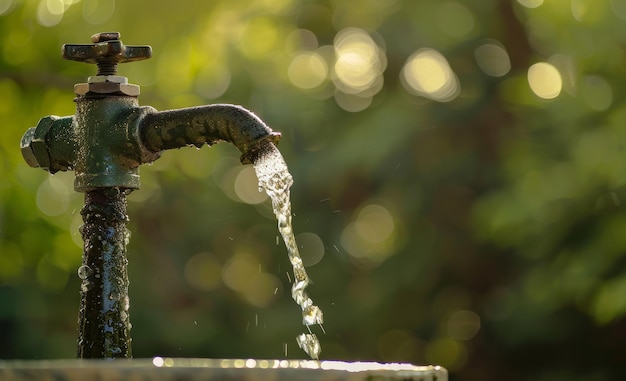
(196, 126)
(259, 147)
(35, 144)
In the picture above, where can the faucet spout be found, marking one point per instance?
(207, 125)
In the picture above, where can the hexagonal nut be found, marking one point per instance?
(33, 144)
(27, 151)
(107, 78)
(106, 88)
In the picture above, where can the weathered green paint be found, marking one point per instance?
(51, 131)
(109, 152)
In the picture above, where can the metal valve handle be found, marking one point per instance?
(106, 52)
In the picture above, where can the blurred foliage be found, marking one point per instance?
(459, 182)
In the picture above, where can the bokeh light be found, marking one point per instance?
(5, 6)
(451, 354)
(358, 64)
(609, 302)
(242, 273)
(358, 68)
(351, 102)
(53, 195)
(247, 186)
(398, 345)
(427, 73)
(259, 38)
(203, 272)
(238, 182)
(463, 325)
(98, 12)
(545, 80)
(530, 3)
(618, 7)
(455, 19)
(596, 92)
(493, 59)
(307, 70)
(50, 12)
(302, 40)
(311, 248)
(212, 81)
(371, 234)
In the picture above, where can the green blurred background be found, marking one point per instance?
(459, 182)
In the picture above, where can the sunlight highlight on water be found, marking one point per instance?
(275, 179)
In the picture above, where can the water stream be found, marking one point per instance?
(275, 179)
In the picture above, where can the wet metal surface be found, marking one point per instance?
(196, 126)
(104, 325)
(199, 369)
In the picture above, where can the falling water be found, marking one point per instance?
(275, 179)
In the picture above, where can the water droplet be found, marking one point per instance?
(312, 315)
(126, 237)
(298, 294)
(309, 344)
(84, 272)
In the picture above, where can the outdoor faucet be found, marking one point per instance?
(104, 143)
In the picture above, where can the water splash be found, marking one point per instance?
(275, 179)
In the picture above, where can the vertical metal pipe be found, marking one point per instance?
(104, 325)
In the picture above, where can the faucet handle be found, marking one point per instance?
(106, 52)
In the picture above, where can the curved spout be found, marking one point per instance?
(207, 124)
